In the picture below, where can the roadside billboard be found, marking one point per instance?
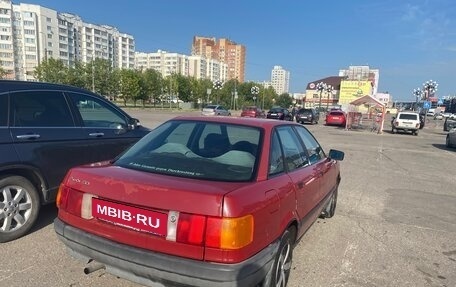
(351, 90)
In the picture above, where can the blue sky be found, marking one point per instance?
(410, 42)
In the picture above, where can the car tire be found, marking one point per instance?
(447, 141)
(280, 270)
(394, 131)
(19, 207)
(415, 133)
(330, 208)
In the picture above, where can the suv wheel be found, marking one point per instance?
(394, 130)
(19, 207)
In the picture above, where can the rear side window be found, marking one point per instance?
(3, 110)
(408, 117)
(40, 109)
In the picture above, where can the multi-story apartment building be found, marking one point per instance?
(223, 50)
(280, 80)
(30, 34)
(194, 66)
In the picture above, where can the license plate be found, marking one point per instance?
(131, 217)
(273, 114)
(335, 118)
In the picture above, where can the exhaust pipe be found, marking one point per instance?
(92, 267)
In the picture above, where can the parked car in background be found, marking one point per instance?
(451, 138)
(253, 112)
(336, 118)
(218, 201)
(307, 115)
(45, 129)
(449, 124)
(215, 110)
(438, 116)
(406, 122)
(279, 113)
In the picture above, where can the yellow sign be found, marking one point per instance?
(351, 90)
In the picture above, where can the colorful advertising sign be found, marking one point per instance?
(351, 90)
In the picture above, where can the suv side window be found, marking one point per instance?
(40, 109)
(96, 113)
(314, 149)
(3, 110)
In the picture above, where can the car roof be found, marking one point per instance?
(254, 122)
(12, 85)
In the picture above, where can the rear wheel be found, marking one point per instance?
(448, 144)
(19, 207)
(280, 270)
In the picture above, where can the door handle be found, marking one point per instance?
(97, 135)
(28, 137)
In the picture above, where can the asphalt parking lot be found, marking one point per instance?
(395, 223)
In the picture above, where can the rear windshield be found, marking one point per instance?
(408, 116)
(249, 109)
(197, 149)
(210, 107)
(276, 110)
(336, 113)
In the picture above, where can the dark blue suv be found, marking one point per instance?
(45, 129)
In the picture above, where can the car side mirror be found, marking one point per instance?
(133, 123)
(336, 154)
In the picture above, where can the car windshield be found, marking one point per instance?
(408, 116)
(197, 149)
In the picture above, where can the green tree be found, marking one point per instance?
(130, 86)
(76, 75)
(284, 100)
(52, 71)
(152, 84)
(3, 73)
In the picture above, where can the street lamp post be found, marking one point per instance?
(320, 87)
(418, 93)
(255, 91)
(217, 85)
(329, 90)
(429, 88)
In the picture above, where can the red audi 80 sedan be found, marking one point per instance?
(201, 201)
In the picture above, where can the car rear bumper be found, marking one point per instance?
(149, 268)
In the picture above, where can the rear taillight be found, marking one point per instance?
(214, 232)
(190, 229)
(70, 200)
(229, 233)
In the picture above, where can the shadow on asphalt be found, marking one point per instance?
(443, 147)
(46, 216)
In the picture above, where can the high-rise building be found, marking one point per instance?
(280, 80)
(173, 63)
(223, 50)
(30, 34)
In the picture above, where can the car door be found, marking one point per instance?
(105, 128)
(45, 136)
(7, 151)
(305, 177)
(325, 168)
